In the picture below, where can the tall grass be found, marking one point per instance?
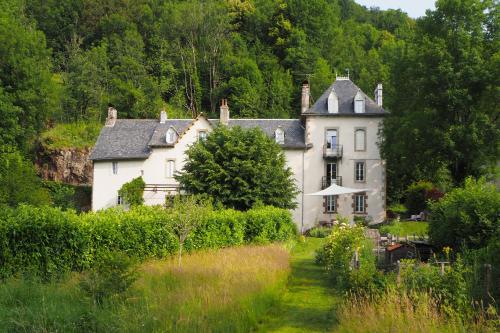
(214, 291)
(401, 312)
(71, 135)
(406, 228)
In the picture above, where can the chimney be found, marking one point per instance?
(163, 116)
(378, 94)
(306, 95)
(112, 116)
(224, 112)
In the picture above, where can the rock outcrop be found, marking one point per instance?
(68, 165)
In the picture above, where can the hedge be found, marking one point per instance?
(47, 241)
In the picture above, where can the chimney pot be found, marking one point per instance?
(163, 116)
(378, 95)
(306, 96)
(224, 112)
(112, 116)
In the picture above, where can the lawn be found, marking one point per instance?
(406, 228)
(309, 303)
(226, 290)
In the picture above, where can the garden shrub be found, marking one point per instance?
(338, 257)
(416, 196)
(319, 232)
(267, 223)
(466, 216)
(48, 242)
(133, 192)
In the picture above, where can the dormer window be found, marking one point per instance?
(359, 103)
(171, 136)
(333, 102)
(279, 134)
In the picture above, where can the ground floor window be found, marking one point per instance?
(330, 204)
(120, 200)
(359, 203)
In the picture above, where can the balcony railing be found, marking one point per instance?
(327, 181)
(332, 151)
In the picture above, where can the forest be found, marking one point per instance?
(66, 61)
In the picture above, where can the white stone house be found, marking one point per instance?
(334, 141)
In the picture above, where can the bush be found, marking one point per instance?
(133, 192)
(319, 232)
(113, 274)
(416, 196)
(467, 216)
(48, 241)
(338, 255)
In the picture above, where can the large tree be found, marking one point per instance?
(444, 118)
(238, 168)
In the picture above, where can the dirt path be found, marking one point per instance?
(309, 303)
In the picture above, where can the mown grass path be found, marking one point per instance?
(308, 304)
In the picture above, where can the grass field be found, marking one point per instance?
(406, 228)
(308, 303)
(218, 291)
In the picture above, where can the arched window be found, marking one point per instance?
(359, 103)
(279, 134)
(333, 102)
(171, 136)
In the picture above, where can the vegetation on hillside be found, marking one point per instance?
(82, 134)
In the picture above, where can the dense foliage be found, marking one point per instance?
(133, 192)
(447, 101)
(468, 216)
(238, 168)
(48, 241)
(18, 180)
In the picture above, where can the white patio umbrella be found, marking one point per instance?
(335, 189)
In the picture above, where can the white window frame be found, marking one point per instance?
(279, 135)
(356, 130)
(331, 204)
(119, 200)
(328, 138)
(171, 136)
(359, 103)
(362, 175)
(360, 203)
(202, 135)
(114, 167)
(170, 168)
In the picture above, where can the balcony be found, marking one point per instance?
(326, 181)
(334, 151)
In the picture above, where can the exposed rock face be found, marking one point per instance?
(69, 165)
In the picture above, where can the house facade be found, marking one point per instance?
(335, 141)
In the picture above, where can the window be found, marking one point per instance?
(359, 171)
(359, 103)
(331, 139)
(115, 168)
(279, 134)
(359, 203)
(333, 102)
(202, 135)
(171, 135)
(331, 173)
(360, 140)
(330, 204)
(119, 201)
(170, 169)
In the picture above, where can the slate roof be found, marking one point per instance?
(135, 138)
(346, 90)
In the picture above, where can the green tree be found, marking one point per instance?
(239, 167)
(18, 180)
(445, 105)
(467, 216)
(28, 93)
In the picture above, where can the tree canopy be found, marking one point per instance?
(239, 168)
